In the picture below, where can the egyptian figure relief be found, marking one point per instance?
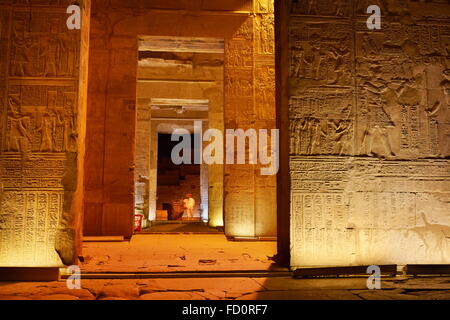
(400, 107)
(45, 52)
(365, 107)
(41, 121)
(239, 56)
(322, 122)
(321, 54)
(265, 91)
(265, 34)
(39, 129)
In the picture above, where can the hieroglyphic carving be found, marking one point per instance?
(322, 122)
(239, 203)
(265, 34)
(39, 101)
(239, 83)
(340, 8)
(397, 72)
(41, 119)
(351, 211)
(38, 171)
(245, 31)
(250, 103)
(265, 91)
(32, 220)
(239, 54)
(31, 208)
(47, 51)
(396, 80)
(264, 6)
(320, 54)
(239, 80)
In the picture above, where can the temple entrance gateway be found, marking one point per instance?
(217, 68)
(176, 77)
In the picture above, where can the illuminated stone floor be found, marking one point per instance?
(231, 289)
(177, 252)
(163, 253)
(180, 227)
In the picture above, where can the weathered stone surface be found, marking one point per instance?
(169, 252)
(42, 84)
(228, 289)
(172, 296)
(301, 295)
(116, 290)
(369, 134)
(59, 297)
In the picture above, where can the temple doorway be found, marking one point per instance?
(216, 68)
(177, 185)
(180, 93)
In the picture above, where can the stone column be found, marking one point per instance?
(111, 126)
(369, 168)
(43, 90)
(249, 197)
(153, 173)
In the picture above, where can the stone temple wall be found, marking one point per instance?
(42, 91)
(369, 129)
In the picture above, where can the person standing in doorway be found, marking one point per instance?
(189, 204)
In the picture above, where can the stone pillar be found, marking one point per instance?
(264, 91)
(369, 126)
(43, 72)
(250, 207)
(216, 171)
(144, 172)
(204, 192)
(111, 126)
(153, 174)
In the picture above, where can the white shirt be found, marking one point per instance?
(189, 203)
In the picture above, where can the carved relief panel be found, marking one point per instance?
(348, 212)
(401, 78)
(340, 8)
(321, 54)
(373, 104)
(47, 51)
(250, 103)
(31, 209)
(322, 122)
(39, 99)
(41, 118)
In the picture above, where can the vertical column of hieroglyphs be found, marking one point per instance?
(403, 114)
(39, 128)
(369, 117)
(264, 99)
(239, 112)
(322, 114)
